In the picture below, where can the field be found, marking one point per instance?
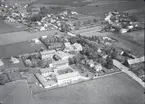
(19, 49)
(15, 93)
(116, 89)
(126, 41)
(16, 37)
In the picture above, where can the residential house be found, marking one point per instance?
(90, 63)
(98, 67)
(77, 47)
(14, 60)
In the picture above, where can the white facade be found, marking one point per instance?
(98, 67)
(47, 54)
(137, 60)
(14, 60)
(1, 63)
(68, 78)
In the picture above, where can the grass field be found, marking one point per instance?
(116, 89)
(16, 92)
(16, 37)
(18, 49)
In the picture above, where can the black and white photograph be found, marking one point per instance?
(72, 52)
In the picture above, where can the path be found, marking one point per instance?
(126, 70)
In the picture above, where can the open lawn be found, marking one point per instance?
(101, 9)
(5, 27)
(133, 45)
(21, 36)
(115, 89)
(18, 49)
(16, 93)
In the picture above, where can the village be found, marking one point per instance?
(72, 55)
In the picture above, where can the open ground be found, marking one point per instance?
(115, 89)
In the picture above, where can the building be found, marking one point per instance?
(135, 61)
(62, 55)
(1, 63)
(45, 71)
(71, 34)
(98, 67)
(77, 47)
(47, 54)
(59, 64)
(44, 82)
(88, 30)
(14, 60)
(90, 63)
(66, 76)
(56, 46)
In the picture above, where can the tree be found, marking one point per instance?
(114, 55)
(102, 61)
(71, 61)
(73, 40)
(88, 22)
(78, 25)
(3, 79)
(43, 11)
(94, 20)
(109, 63)
(64, 27)
(42, 63)
(36, 17)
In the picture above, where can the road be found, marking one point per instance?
(130, 73)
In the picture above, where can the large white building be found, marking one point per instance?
(47, 54)
(66, 75)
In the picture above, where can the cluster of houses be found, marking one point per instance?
(121, 22)
(19, 13)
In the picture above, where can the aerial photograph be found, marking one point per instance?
(72, 52)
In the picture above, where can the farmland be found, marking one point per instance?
(116, 89)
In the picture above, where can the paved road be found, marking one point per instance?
(130, 73)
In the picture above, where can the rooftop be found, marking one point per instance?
(47, 52)
(45, 70)
(45, 83)
(137, 60)
(67, 75)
